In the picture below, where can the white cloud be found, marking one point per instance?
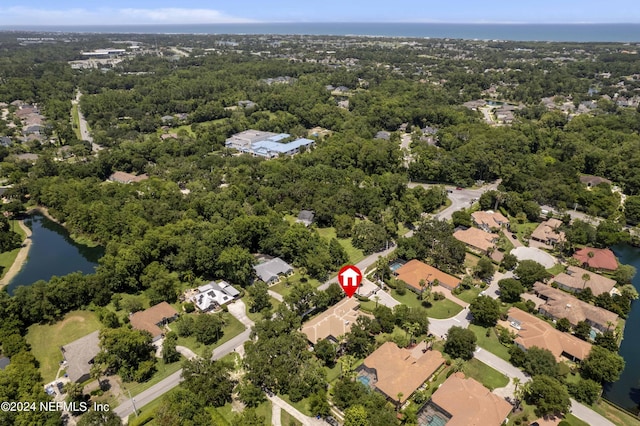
(107, 16)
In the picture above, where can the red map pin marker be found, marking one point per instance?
(349, 278)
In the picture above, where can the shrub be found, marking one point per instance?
(438, 296)
(188, 307)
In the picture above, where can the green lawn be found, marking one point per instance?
(231, 330)
(522, 229)
(439, 310)
(263, 409)
(470, 260)
(285, 284)
(556, 269)
(302, 405)
(486, 375)
(287, 419)
(574, 421)
(45, 340)
(163, 371)
(355, 255)
(614, 414)
(8, 257)
(257, 316)
(146, 414)
(491, 343)
(469, 295)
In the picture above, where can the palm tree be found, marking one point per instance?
(411, 329)
(585, 278)
(346, 365)
(609, 325)
(457, 365)
(400, 395)
(429, 340)
(422, 284)
(377, 299)
(519, 392)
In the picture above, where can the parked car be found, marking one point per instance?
(331, 421)
(459, 188)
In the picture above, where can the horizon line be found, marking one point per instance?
(321, 22)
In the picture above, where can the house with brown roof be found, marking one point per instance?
(547, 232)
(398, 372)
(461, 401)
(124, 177)
(575, 280)
(532, 331)
(559, 304)
(477, 239)
(597, 258)
(592, 181)
(489, 221)
(415, 271)
(334, 322)
(154, 319)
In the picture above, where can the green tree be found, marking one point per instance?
(250, 394)
(260, 299)
(484, 269)
(510, 290)
(530, 271)
(540, 361)
(338, 254)
(624, 274)
(602, 365)
(356, 415)
(509, 261)
(344, 225)
(485, 311)
(169, 352)
(369, 237)
(326, 352)
(236, 265)
(248, 417)
(563, 324)
(208, 380)
(548, 395)
(460, 343)
(583, 330)
(125, 350)
(607, 340)
(586, 391)
(99, 418)
(208, 328)
(181, 407)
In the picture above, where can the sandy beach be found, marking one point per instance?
(21, 258)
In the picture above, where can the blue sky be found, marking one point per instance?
(90, 12)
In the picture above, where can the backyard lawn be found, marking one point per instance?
(469, 295)
(45, 340)
(230, 330)
(163, 371)
(355, 255)
(490, 378)
(522, 229)
(491, 343)
(441, 309)
(7, 258)
(285, 284)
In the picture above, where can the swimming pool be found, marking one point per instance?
(364, 380)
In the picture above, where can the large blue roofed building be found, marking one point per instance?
(266, 144)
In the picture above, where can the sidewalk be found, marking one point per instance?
(305, 420)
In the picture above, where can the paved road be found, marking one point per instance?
(305, 420)
(460, 198)
(493, 290)
(237, 310)
(276, 296)
(499, 364)
(276, 415)
(84, 127)
(586, 414)
(440, 327)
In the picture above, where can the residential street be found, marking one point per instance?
(82, 124)
(237, 309)
(439, 327)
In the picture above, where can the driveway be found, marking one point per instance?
(493, 290)
(440, 327)
(305, 420)
(385, 298)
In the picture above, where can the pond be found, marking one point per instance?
(53, 253)
(626, 391)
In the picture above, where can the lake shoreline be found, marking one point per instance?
(20, 259)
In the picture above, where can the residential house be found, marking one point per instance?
(577, 279)
(334, 322)
(596, 258)
(271, 270)
(384, 135)
(32, 158)
(592, 181)
(461, 401)
(398, 372)
(5, 141)
(124, 177)
(415, 271)
(154, 319)
(547, 232)
(559, 304)
(213, 295)
(305, 217)
(4, 362)
(532, 331)
(489, 220)
(79, 356)
(477, 239)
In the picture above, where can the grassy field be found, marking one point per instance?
(486, 375)
(163, 371)
(469, 295)
(556, 269)
(76, 121)
(8, 257)
(355, 255)
(45, 340)
(231, 330)
(614, 414)
(257, 316)
(263, 409)
(491, 343)
(284, 286)
(471, 260)
(287, 419)
(302, 405)
(441, 309)
(522, 229)
(146, 413)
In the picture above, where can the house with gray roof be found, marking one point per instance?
(271, 270)
(4, 362)
(305, 217)
(212, 295)
(79, 356)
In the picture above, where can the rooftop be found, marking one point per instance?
(476, 238)
(597, 258)
(533, 331)
(414, 271)
(470, 403)
(489, 218)
(547, 231)
(79, 355)
(572, 279)
(124, 177)
(149, 319)
(402, 370)
(335, 321)
(272, 269)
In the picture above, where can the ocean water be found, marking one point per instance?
(516, 32)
